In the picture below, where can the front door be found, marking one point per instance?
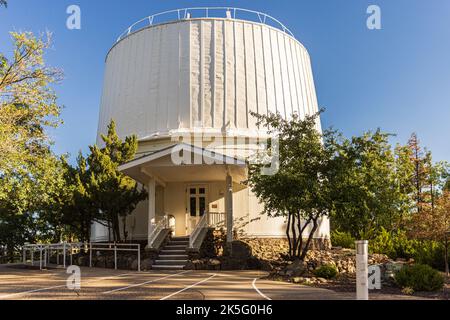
(196, 206)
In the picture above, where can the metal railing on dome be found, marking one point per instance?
(204, 12)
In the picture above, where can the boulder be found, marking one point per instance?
(146, 264)
(296, 269)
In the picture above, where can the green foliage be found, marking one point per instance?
(419, 277)
(370, 186)
(342, 239)
(29, 171)
(113, 194)
(300, 190)
(397, 245)
(326, 271)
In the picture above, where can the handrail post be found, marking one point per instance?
(40, 258)
(90, 254)
(139, 257)
(64, 254)
(115, 256)
(32, 257)
(24, 252)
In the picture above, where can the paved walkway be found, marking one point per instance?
(106, 284)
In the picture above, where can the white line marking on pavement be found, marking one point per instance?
(144, 283)
(188, 287)
(60, 286)
(257, 290)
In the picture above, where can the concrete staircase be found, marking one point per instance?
(173, 256)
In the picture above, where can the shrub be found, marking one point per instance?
(342, 239)
(397, 245)
(327, 271)
(419, 277)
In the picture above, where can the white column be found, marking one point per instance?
(362, 285)
(151, 188)
(229, 209)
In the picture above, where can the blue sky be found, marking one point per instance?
(397, 78)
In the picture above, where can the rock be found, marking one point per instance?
(296, 269)
(321, 280)
(146, 264)
(214, 262)
(266, 265)
(298, 280)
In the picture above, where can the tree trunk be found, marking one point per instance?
(117, 227)
(294, 236)
(291, 253)
(308, 242)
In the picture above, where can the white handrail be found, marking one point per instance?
(163, 224)
(203, 223)
(185, 13)
(45, 249)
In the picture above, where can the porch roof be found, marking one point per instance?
(209, 166)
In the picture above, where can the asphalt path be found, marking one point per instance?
(18, 283)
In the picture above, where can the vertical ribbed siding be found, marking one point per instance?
(208, 72)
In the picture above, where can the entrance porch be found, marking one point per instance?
(187, 197)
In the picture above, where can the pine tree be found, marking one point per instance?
(114, 194)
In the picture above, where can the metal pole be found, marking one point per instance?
(57, 256)
(362, 270)
(139, 257)
(24, 253)
(32, 256)
(71, 254)
(40, 258)
(115, 256)
(64, 254)
(90, 255)
(45, 257)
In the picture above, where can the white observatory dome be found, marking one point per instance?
(207, 72)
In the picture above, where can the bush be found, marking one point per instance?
(397, 245)
(326, 271)
(419, 277)
(342, 239)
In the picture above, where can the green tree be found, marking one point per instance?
(372, 186)
(27, 102)
(447, 184)
(27, 108)
(433, 223)
(300, 190)
(113, 194)
(4, 3)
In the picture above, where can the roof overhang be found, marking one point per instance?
(185, 163)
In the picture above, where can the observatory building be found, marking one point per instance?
(201, 72)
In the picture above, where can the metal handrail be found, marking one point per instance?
(161, 225)
(203, 223)
(45, 249)
(185, 13)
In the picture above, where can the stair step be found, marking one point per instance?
(180, 238)
(170, 262)
(167, 267)
(174, 247)
(173, 251)
(178, 242)
(173, 256)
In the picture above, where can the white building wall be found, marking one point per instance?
(208, 73)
